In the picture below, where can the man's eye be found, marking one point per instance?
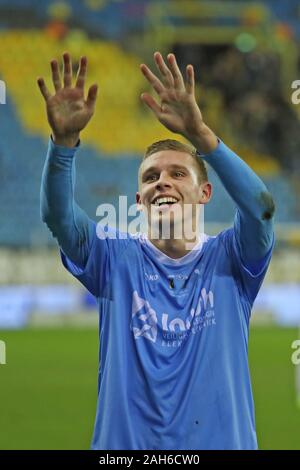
(151, 178)
(179, 173)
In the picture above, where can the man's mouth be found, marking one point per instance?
(166, 200)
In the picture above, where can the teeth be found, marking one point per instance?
(164, 200)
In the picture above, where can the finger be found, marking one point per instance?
(55, 75)
(67, 73)
(81, 73)
(44, 90)
(164, 70)
(152, 79)
(151, 103)
(178, 78)
(92, 96)
(190, 79)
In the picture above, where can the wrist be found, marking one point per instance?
(69, 140)
(204, 139)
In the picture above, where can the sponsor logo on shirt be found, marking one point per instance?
(178, 277)
(144, 321)
(152, 277)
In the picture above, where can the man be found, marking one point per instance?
(174, 313)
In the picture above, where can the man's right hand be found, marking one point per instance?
(67, 110)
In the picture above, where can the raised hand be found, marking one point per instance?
(177, 110)
(68, 111)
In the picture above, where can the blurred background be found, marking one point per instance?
(246, 55)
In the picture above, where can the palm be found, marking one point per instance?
(67, 110)
(178, 110)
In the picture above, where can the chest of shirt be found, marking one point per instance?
(170, 303)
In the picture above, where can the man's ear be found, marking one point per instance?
(205, 192)
(138, 201)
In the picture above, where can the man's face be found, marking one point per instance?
(169, 180)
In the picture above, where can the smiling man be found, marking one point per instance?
(173, 187)
(174, 312)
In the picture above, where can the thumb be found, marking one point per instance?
(151, 103)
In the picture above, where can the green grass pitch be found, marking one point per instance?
(48, 388)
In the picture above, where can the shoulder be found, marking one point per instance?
(222, 239)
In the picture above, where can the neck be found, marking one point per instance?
(175, 248)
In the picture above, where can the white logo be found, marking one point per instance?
(2, 92)
(143, 319)
(178, 277)
(205, 304)
(152, 277)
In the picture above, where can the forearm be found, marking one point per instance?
(66, 220)
(242, 184)
(255, 204)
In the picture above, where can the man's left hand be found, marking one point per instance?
(178, 110)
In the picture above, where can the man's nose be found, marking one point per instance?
(164, 181)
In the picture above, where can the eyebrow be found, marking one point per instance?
(154, 169)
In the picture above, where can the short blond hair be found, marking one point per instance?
(171, 144)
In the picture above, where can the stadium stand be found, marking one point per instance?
(246, 55)
(122, 128)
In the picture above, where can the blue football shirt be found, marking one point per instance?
(173, 365)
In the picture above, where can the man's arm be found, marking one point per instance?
(254, 219)
(178, 111)
(65, 219)
(68, 113)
